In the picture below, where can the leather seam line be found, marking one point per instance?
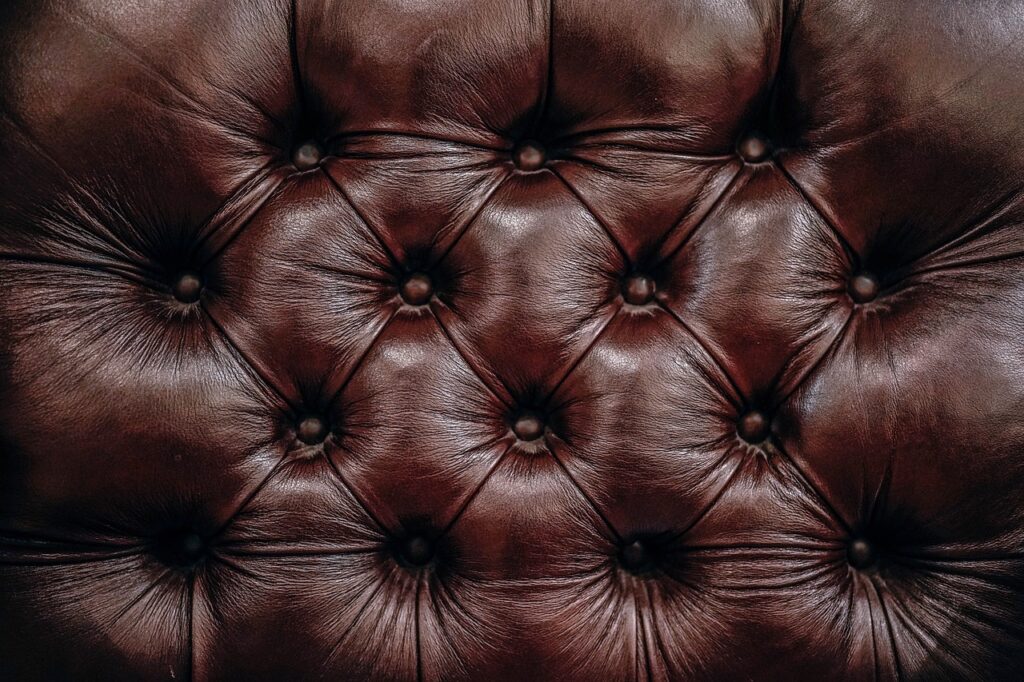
(627, 261)
(853, 258)
(471, 220)
(210, 228)
(471, 366)
(584, 353)
(806, 480)
(293, 52)
(713, 502)
(246, 362)
(251, 495)
(586, 495)
(737, 399)
(395, 263)
(476, 490)
(715, 204)
(360, 360)
(549, 72)
(347, 487)
(830, 350)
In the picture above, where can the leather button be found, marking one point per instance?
(188, 287)
(753, 427)
(180, 548)
(860, 553)
(638, 289)
(417, 551)
(528, 426)
(754, 148)
(529, 156)
(307, 156)
(863, 287)
(635, 557)
(417, 289)
(312, 430)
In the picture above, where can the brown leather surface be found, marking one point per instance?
(511, 339)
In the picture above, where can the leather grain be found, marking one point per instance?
(511, 340)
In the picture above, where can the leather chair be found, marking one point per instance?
(511, 339)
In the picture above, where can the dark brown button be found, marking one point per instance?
(634, 556)
(417, 289)
(863, 287)
(417, 551)
(528, 426)
(754, 148)
(312, 430)
(188, 287)
(180, 548)
(860, 553)
(753, 427)
(529, 156)
(307, 156)
(638, 289)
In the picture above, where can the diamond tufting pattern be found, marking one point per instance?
(511, 340)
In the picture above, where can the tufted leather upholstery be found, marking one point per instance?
(511, 339)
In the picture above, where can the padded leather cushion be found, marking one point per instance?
(511, 339)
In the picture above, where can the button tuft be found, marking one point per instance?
(417, 551)
(307, 156)
(753, 427)
(312, 430)
(863, 287)
(529, 156)
(528, 426)
(638, 289)
(860, 553)
(635, 557)
(188, 287)
(754, 148)
(417, 289)
(180, 548)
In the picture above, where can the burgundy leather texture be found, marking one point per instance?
(511, 339)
